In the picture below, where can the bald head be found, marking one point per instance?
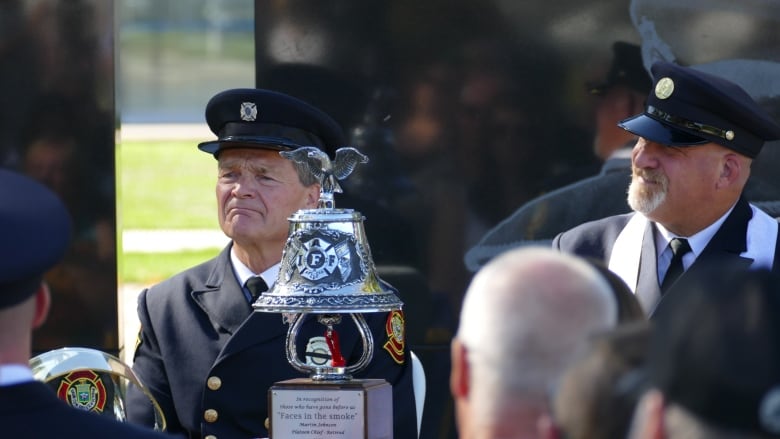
(525, 316)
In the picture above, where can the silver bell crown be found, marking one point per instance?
(326, 263)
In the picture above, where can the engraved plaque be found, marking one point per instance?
(354, 409)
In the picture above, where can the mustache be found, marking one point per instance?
(651, 176)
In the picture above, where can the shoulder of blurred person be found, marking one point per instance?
(713, 364)
(538, 221)
(35, 232)
(598, 392)
(763, 186)
(628, 307)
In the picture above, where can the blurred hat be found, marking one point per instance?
(258, 118)
(716, 347)
(626, 69)
(689, 107)
(35, 231)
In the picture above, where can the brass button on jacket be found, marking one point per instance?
(214, 383)
(210, 415)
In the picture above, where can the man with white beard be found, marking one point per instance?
(697, 139)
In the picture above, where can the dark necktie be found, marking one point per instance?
(679, 248)
(256, 286)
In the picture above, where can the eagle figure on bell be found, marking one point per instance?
(326, 171)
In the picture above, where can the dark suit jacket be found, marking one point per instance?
(198, 324)
(31, 410)
(596, 238)
(539, 220)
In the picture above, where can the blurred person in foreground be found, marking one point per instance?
(35, 231)
(525, 316)
(628, 307)
(206, 357)
(620, 94)
(713, 366)
(599, 391)
(698, 136)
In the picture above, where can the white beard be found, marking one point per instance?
(645, 201)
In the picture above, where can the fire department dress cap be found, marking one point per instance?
(35, 230)
(259, 118)
(690, 107)
(715, 348)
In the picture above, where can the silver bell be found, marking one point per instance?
(326, 266)
(326, 263)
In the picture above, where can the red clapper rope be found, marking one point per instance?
(332, 338)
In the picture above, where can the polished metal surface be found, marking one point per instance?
(92, 380)
(327, 373)
(326, 266)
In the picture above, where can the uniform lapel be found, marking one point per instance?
(726, 245)
(258, 328)
(731, 238)
(648, 290)
(221, 298)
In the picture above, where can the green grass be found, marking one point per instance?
(238, 45)
(150, 268)
(166, 185)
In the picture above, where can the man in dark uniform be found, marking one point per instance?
(35, 231)
(698, 136)
(620, 94)
(204, 355)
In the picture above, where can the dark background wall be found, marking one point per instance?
(57, 125)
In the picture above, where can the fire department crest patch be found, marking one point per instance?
(248, 111)
(395, 327)
(83, 389)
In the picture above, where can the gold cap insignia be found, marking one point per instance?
(664, 88)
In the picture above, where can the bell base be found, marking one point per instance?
(330, 374)
(307, 409)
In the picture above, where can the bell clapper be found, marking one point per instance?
(332, 338)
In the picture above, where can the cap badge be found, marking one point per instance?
(248, 111)
(664, 88)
